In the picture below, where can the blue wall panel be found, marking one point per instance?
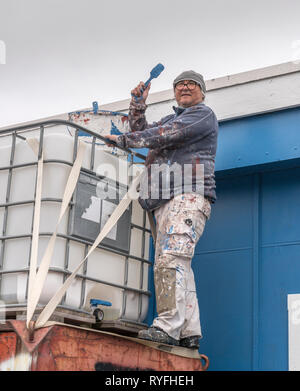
(280, 272)
(225, 299)
(259, 139)
(280, 206)
(280, 263)
(244, 311)
(231, 222)
(223, 274)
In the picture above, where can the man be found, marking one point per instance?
(187, 139)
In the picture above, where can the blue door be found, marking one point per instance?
(246, 263)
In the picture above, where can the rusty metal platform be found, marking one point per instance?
(61, 347)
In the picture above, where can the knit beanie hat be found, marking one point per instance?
(191, 75)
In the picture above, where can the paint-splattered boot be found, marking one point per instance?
(157, 335)
(190, 342)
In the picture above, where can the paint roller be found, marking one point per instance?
(156, 71)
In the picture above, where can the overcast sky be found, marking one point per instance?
(61, 55)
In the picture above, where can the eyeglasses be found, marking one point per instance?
(191, 85)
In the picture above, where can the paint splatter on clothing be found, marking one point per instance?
(185, 140)
(180, 224)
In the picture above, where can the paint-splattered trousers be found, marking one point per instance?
(179, 224)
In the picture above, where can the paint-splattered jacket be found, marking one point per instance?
(187, 138)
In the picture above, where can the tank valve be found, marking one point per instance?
(97, 312)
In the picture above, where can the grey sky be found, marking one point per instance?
(62, 55)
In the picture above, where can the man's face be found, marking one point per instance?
(188, 93)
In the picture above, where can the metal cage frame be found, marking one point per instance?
(18, 132)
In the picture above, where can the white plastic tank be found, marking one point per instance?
(117, 271)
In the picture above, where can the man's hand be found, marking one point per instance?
(141, 92)
(111, 137)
